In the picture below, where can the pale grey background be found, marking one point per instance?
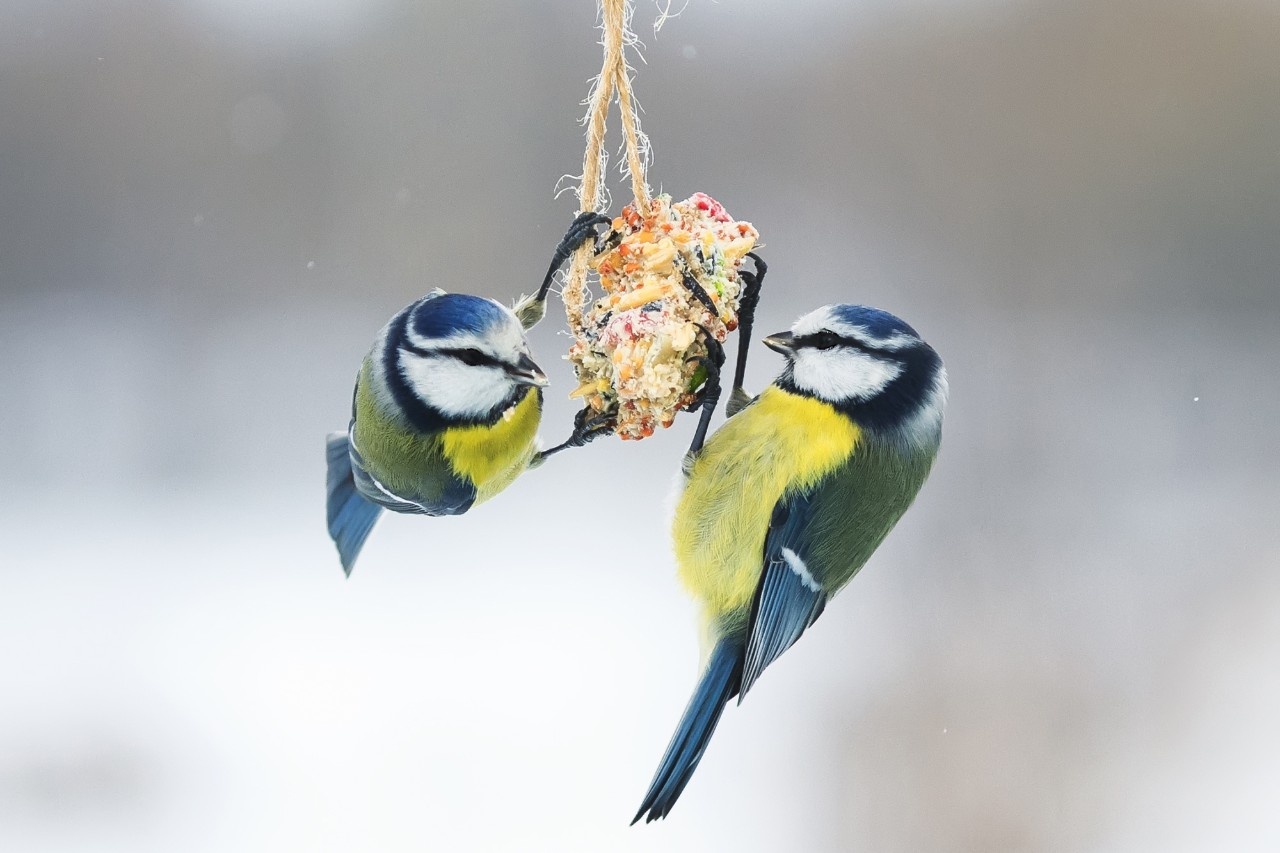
(208, 208)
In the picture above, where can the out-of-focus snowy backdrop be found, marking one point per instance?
(207, 209)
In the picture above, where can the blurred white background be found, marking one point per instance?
(208, 208)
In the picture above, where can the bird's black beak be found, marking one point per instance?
(527, 372)
(783, 342)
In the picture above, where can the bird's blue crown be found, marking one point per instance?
(880, 324)
(450, 313)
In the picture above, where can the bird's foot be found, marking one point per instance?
(588, 425)
(531, 309)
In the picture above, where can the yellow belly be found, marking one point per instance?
(493, 456)
(782, 442)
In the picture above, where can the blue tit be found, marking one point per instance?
(445, 415)
(788, 499)
(446, 409)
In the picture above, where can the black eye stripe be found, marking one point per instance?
(471, 356)
(467, 355)
(827, 340)
(823, 340)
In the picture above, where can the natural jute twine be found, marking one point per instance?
(615, 76)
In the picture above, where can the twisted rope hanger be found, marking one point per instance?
(615, 77)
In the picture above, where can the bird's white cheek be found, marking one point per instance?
(453, 388)
(842, 374)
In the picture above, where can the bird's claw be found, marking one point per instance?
(582, 228)
(699, 292)
(715, 349)
(532, 309)
(587, 427)
(712, 361)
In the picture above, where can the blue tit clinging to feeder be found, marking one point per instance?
(446, 410)
(788, 499)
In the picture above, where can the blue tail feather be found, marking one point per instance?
(719, 684)
(350, 515)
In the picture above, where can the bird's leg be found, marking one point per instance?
(752, 282)
(587, 427)
(532, 309)
(709, 396)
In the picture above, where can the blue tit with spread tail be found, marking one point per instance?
(788, 500)
(446, 409)
(445, 415)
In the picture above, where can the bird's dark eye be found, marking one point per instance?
(824, 340)
(472, 356)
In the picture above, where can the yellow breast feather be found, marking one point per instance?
(782, 442)
(493, 456)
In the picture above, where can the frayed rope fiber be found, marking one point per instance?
(648, 347)
(615, 77)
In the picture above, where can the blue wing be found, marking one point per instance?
(351, 517)
(789, 598)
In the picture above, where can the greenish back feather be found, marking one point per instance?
(853, 509)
